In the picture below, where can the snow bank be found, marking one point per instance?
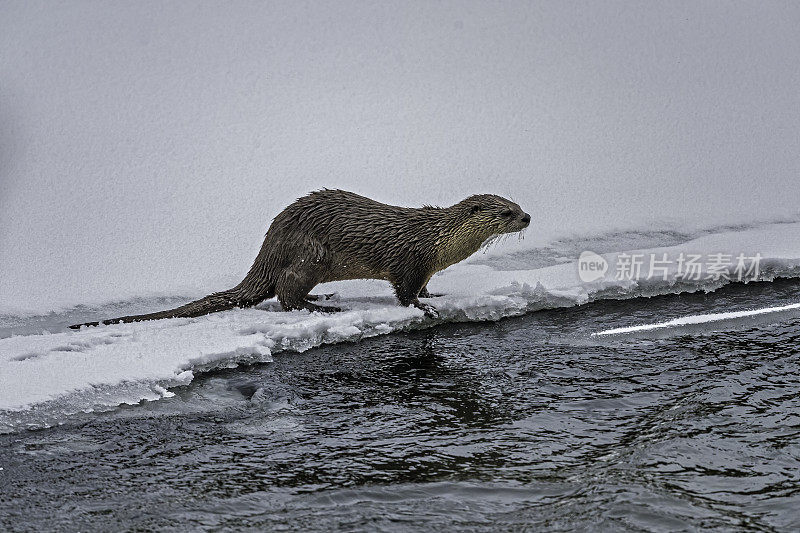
(45, 377)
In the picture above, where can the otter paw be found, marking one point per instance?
(429, 310)
(318, 297)
(318, 308)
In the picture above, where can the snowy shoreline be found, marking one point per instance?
(60, 373)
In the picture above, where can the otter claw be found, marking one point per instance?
(429, 310)
(317, 308)
(318, 297)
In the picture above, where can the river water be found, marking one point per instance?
(526, 423)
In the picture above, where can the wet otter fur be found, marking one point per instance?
(333, 235)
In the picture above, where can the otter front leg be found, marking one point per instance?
(407, 291)
(292, 290)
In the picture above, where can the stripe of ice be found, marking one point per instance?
(697, 319)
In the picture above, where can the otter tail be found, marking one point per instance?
(219, 301)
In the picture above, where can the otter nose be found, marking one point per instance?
(526, 218)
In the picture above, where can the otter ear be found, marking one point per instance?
(475, 209)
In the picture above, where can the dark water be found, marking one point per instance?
(524, 424)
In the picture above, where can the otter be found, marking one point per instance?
(334, 235)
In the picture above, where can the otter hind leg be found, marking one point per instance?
(293, 286)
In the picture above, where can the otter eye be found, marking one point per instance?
(507, 213)
(475, 209)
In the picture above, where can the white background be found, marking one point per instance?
(145, 146)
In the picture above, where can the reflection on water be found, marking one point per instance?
(526, 422)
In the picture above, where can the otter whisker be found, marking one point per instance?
(489, 242)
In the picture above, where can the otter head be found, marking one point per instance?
(492, 215)
(479, 218)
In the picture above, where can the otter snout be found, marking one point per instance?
(526, 218)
